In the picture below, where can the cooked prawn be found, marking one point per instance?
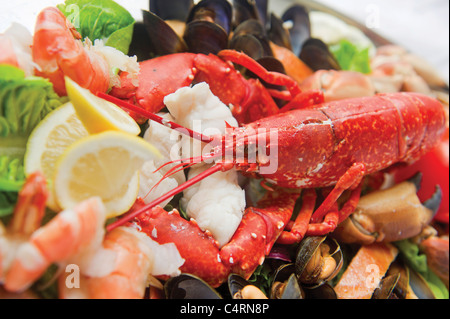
(113, 266)
(28, 250)
(58, 51)
(136, 257)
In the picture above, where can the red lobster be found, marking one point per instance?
(333, 144)
(248, 98)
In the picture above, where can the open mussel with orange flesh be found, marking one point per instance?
(239, 288)
(318, 260)
(285, 284)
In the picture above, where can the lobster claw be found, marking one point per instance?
(378, 215)
(259, 229)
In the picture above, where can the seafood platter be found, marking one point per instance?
(216, 149)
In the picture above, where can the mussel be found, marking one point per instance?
(285, 284)
(240, 288)
(186, 286)
(300, 26)
(208, 26)
(154, 37)
(318, 260)
(254, 28)
(244, 10)
(171, 10)
(395, 284)
(317, 56)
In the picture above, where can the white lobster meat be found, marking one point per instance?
(218, 202)
(168, 144)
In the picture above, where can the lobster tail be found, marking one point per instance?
(421, 123)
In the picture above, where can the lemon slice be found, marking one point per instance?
(99, 115)
(104, 165)
(54, 134)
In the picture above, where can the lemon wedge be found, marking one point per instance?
(97, 114)
(104, 165)
(50, 138)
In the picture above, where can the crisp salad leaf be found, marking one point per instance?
(351, 58)
(101, 19)
(418, 262)
(24, 102)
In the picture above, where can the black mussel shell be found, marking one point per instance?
(317, 56)
(324, 291)
(171, 10)
(263, 8)
(248, 44)
(244, 10)
(386, 288)
(235, 284)
(396, 287)
(285, 284)
(306, 251)
(186, 286)
(205, 37)
(218, 11)
(278, 34)
(255, 28)
(161, 39)
(420, 286)
(140, 45)
(300, 31)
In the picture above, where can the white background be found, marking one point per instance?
(421, 26)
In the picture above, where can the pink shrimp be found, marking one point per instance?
(117, 265)
(58, 52)
(128, 277)
(71, 232)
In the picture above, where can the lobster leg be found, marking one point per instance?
(269, 77)
(351, 179)
(295, 231)
(335, 216)
(332, 216)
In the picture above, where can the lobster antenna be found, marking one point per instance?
(166, 196)
(195, 160)
(177, 168)
(154, 117)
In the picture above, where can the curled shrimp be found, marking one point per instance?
(136, 260)
(28, 249)
(116, 265)
(58, 51)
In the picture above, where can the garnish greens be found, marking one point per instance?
(101, 19)
(24, 102)
(418, 262)
(351, 58)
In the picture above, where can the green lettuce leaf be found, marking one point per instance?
(418, 262)
(101, 19)
(24, 102)
(351, 58)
